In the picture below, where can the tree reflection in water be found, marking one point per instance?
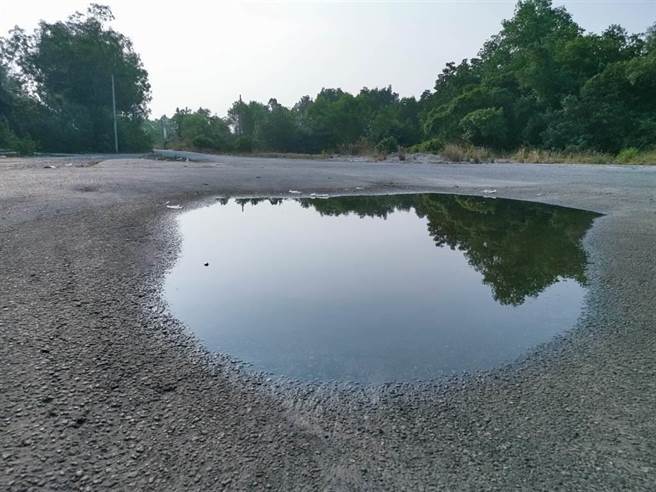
(378, 288)
(520, 248)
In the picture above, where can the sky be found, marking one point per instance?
(208, 53)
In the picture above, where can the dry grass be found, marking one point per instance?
(465, 153)
(469, 153)
(627, 156)
(361, 147)
(537, 156)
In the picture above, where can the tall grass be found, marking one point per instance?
(539, 156)
(469, 153)
(626, 156)
(466, 153)
(635, 156)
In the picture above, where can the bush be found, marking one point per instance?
(485, 127)
(432, 146)
(204, 142)
(25, 146)
(387, 145)
(627, 156)
(132, 136)
(9, 141)
(7, 137)
(244, 144)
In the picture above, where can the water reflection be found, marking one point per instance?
(521, 248)
(378, 289)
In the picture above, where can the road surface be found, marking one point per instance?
(102, 389)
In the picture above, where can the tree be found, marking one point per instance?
(650, 39)
(67, 67)
(200, 130)
(17, 112)
(276, 130)
(7, 102)
(335, 119)
(485, 127)
(542, 81)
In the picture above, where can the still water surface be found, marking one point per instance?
(378, 289)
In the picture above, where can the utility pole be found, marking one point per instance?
(239, 117)
(165, 134)
(114, 110)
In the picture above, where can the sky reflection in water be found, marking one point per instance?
(378, 289)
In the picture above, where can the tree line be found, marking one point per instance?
(542, 82)
(333, 121)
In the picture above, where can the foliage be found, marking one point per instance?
(387, 145)
(541, 83)
(485, 127)
(432, 146)
(200, 129)
(63, 73)
(626, 156)
(334, 121)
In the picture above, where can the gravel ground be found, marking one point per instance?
(102, 389)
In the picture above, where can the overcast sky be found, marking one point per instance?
(207, 53)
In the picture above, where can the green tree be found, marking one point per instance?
(335, 119)
(67, 67)
(542, 81)
(200, 130)
(615, 109)
(485, 127)
(277, 130)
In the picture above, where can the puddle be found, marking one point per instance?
(378, 289)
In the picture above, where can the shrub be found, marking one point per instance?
(25, 146)
(387, 145)
(9, 141)
(205, 142)
(627, 156)
(485, 127)
(432, 146)
(244, 144)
